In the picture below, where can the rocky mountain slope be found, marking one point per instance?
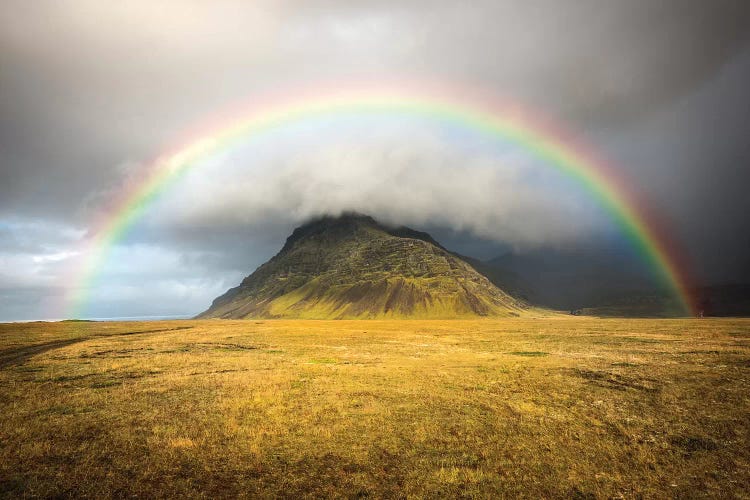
(353, 267)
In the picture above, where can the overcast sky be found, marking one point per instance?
(90, 91)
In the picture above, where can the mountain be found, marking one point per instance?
(583, 277)
(353, 267)
(603, 281)
(724, 300)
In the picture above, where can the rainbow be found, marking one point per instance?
(468, 109)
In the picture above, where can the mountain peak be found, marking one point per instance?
(345, 225)
(352, 224)
(351, 266)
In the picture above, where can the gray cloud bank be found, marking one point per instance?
(89, 88)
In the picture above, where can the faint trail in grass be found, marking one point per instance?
(19, 355)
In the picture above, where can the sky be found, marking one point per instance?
(91, 92)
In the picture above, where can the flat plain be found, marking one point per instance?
(548, 407)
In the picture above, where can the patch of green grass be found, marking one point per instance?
(324, 361)
(105, 383)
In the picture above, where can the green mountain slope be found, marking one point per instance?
(352, 267)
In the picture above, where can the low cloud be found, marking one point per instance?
(401, 176)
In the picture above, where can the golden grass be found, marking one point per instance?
(552, 407)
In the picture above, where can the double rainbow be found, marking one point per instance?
(467, 109)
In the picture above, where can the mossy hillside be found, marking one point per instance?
(353, 267)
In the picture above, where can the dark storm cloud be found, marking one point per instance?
(90, 90)
(703, 138)
(86, 86)
(607, 61)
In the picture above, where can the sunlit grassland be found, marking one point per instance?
(559, 407)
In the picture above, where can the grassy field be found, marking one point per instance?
(565, 407)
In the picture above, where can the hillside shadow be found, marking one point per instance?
(19, 355)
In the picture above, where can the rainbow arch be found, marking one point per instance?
(466, 108)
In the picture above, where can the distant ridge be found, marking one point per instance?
(351, 266)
